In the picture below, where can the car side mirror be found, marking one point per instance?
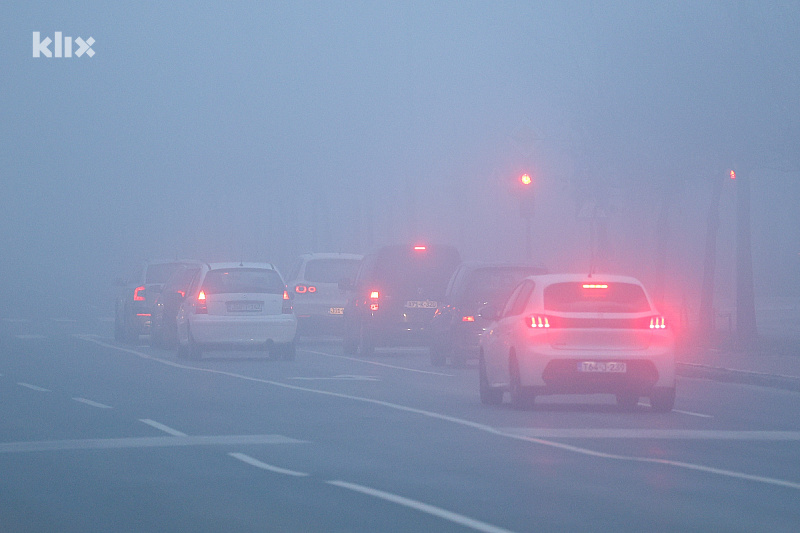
(346, 284)
(488, 312)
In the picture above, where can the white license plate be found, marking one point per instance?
(336, 311)
(600, 366)
(245, 307)
(421, 304)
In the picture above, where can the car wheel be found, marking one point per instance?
(119, 331)
(627, 401)
(662, 400)
(438, 356)
(521, 397)
(195, 353)
(287, 351)
(350, 345)
(366, 344)
(489, 395)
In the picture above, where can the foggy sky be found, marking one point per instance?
(261, 130)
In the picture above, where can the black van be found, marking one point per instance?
(394, 296)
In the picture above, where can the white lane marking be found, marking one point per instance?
(64, 320)
(264, 466)
(690, 413)
(92, 403)
(342, 377)
(144, 442)
(450, 516)
(30, 337)
(162, 427)
(672, 434)
(106, 319)
(33, 387)
(465, 423)
(376, 363)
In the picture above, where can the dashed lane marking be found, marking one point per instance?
(30, 337)
(467, 423)
(92, 403)
(33, 387)
(450, 516)
(342, 377)
(144, 442)
(689, 413)
(264, 466)
(376, 363)
(659, 434)
(162, 427)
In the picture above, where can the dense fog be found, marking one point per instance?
(261, 130)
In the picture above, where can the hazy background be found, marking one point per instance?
(262, 130)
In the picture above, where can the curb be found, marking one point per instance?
(775, 381)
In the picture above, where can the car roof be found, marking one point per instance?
(331, 255)
(240, 264)
(549, 279)
(475, 265)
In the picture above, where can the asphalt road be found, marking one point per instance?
(100, 436)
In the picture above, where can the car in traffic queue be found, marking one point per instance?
(578, 334)
(318, 300)
(163, 328)
(237, 306)
(136, 298)
(394, 296)
(456, 325)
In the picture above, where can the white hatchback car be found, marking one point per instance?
(314, 283)
(574, 334)
(237, 306)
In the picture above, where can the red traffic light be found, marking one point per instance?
(733, 175)
(525, 179)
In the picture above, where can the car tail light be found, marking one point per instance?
(286, 308)
(469, 318)
(595, 286)
(657, 322)
(138, 294)
(300, 289)
(312, 288)
(420, 248)
(374, 296)
(200, 307)
(537, 321)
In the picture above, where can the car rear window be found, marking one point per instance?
(404, 269)
(595, 297)
(243, 280)
(182, 279)
(160, 273)
(493, 285)
(331, 270)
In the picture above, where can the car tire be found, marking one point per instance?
(438, 356)
(366, 344)
(627, 401)
(194, 350)
(662, 400)
(489, 395)
(521, 397)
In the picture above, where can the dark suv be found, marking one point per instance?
(457, 326)
(136, 298)
(394, 296)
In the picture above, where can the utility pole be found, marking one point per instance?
(746, 330)
(706, 318)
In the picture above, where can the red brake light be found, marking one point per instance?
(537, 321)
(595, 286)
(182, 293)
(137, 297)
(300, 289)
(420, 248)
(374, 296)
(287, 307)
(467, 319)
(657, 322)
(200, 308)
(311, 288)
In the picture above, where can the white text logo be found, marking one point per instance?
(62, 46)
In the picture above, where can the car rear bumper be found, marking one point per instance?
(549, 373)
(210, 330)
